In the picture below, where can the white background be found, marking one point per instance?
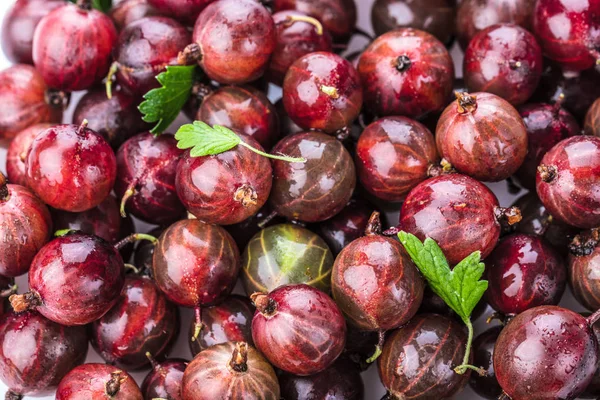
(373, 388)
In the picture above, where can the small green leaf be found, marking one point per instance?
(102, 5)
(204, 140)
(461, 288)
(162, 105)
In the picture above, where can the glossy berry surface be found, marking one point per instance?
(141, 321)
(146, 170)
(483, 356)
(127, 11)
(410, 367)
(406, 72)
(592, 120)
(25, 226)
(145, 48)
(504, 60)
(584, 277)
(568, 179)
(98, 381)
(325, 191)
(19, 25)
(523, 272)
(546, 126)
(456, 211)
(103, 220)
(230, 370)
(87, 170)
(348, 225)
(482, 136)
(230, 321)
(338, 16)
(376, 284)
(73, 280)
(433, 16)
(322, 91)
(35, 353)
(341, 381)
(286, 254)
(65, 67)
(241, 53)
(298, 328)
(538, 221)
(17, 153)
(116, 119)
(475, 15)
(226, 188)
(577, 46)
(546, 352)
(244, 110)
(393, 155)
(164, 380)
(295, 38)
(195, 264)
(23, 95)
(185, 11)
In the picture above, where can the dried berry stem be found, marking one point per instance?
(465, 102)
(113, 386)
(114, 67)
(378, 348)
(9, 291)
(504, 396)
(547, 172)
(10, 395)
(304, 18)
(403, 63)
(136, 237)
(461, 369)
(4, 193)
(82, 127)
(246, 195)
(190, 55)
(508, 216)
(132, 268)
(267, 219)
(25, 301)
(126, 196)
(443, 168)
(197, 323)
(585, 243)
(264, 304)
(374, 225)
(63, 232)
(239, 358)
(502, 318)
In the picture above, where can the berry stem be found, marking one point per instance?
(374, 225)
(504, 396)
(4, 193)
(136, 237)
(378, 348)
(466, 103)
(305, 18)
(504, 319)
(126, 196)
(197, 323)
(9, 291)
(82, 127)
(246, 195)
(239, 358)
(281, 157)
(25, 301)
(267, 219)
(114, 67)
(264, 304)
(592, 319)
(155, 365)
(113, 386)
(461, 369)
(360, 32)
(443, 168)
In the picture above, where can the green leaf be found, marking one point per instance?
(461, 288)
(162, 105)
(204, 140)
(102, 5)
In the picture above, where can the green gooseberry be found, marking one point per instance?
(286, 254)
